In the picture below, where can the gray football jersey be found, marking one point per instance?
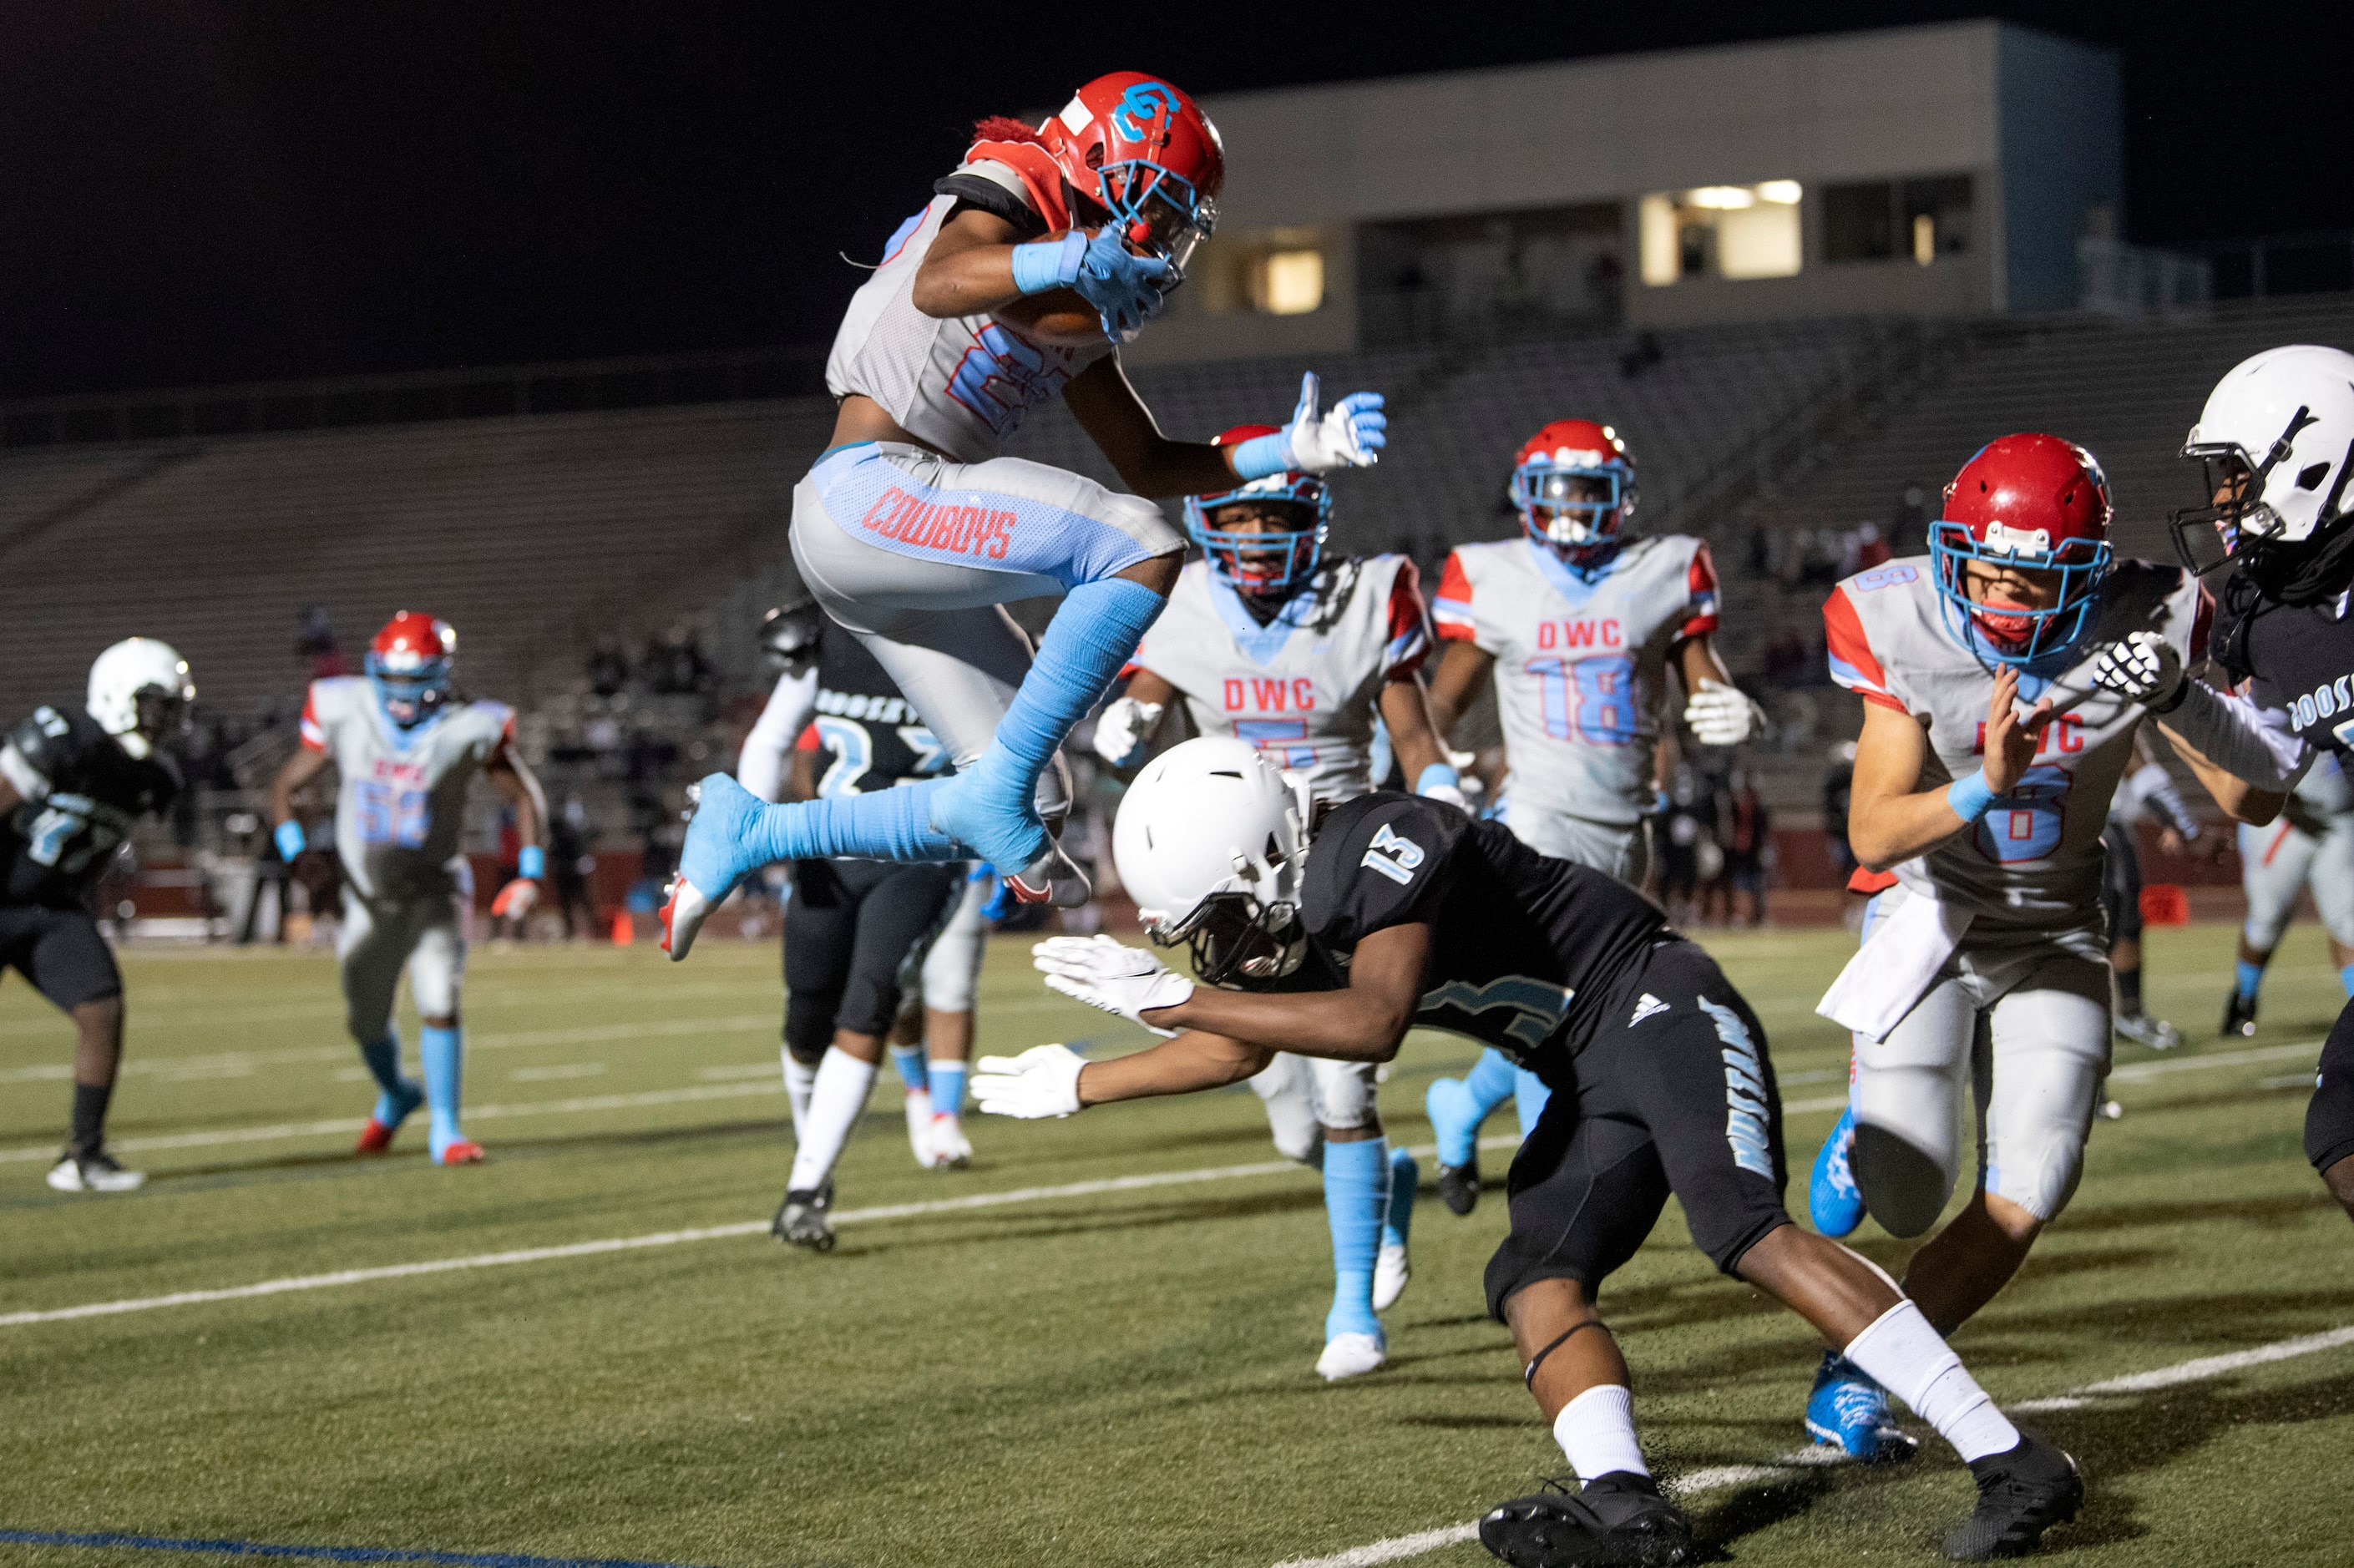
(401, 803)
(2037, 852)
(1304, 687)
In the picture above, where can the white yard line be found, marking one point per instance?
(1719, 1477)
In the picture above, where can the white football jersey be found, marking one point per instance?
(402, 801)
(960, 385)
(1580, 665)
(1304, 688)
(2037, 852)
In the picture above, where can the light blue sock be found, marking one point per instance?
(1356, 1197)
(441, 1053)
(1529, 1098)
(947, 1087)
(735, 832)
(1406, 1178)
(2346, 979)
(2252, 979)
(990, 805)
(399, 1095)
(909, 1061)
(1489, 1081)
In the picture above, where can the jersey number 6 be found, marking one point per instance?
(2026, 824)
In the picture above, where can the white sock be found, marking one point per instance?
(837, 1098)
(798, 1079)
(1901, 1352)
(1596, 1431)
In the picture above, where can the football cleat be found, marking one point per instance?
(919, 1126)
(2021, 1494)
(1391, 1272)
(1053, 878)
(1833, 1200)
(951, 1151)
(1459, 1187)
(460, 1151)
(2155, 1032)
(1617, 1518)
(1456, 1122)
(711, 860)
(377, 1137)
(93, 1173)
(802, 1219)
(1352, 1355)
(1847, 1410)
(2239, 1015)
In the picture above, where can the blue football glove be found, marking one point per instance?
(288, 834)
(1122, 286)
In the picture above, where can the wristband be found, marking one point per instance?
(1048, 263)
(288, 834)
(2181, 694)
(1260, 456)
(531, 862)
(1970, 798)
(1438, 775)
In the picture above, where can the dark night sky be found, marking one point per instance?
(208, 190)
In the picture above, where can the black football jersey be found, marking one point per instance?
(1525, 949)
(874, 733)
(82, 793)
(2299, 658)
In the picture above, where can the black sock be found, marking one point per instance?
(2129, 990)
(90, 1115)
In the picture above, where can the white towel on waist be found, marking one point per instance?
(1894, 965)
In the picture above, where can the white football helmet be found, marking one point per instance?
(1212, 842)
(140, 693)
(2278, 431)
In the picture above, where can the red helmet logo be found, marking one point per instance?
(1145, 153)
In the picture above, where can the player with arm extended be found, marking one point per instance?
(1401, 913)
(1043, 251)
(1994, 738)
(405, 744)
(72, 784)
(2146, 788)
(1577, 626)
(1268, 640)
(2310, 844)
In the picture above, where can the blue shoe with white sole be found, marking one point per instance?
(1834, 1198)
(1849, 1410)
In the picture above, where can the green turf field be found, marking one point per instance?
(1102, 1379)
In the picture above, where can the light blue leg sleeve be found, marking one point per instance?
(1490, 1082)
(991, 805)
(443, 1053)
(735, 832)
(910, 1061)
(1529, 1098)
(1356, 1198)
(948, 1088)
(1405, 1179)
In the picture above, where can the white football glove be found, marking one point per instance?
(1351, 434)
(2141, 668)
(1042, 1081)
(1111, 975)
(1126, 729)
(1722, 715)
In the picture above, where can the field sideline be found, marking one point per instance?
(1093, 1347)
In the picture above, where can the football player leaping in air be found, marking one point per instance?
(72, 784)
(1577, 626)
(405, 744)
(1999, 718)
(1042, 253)
(1268, 640)
(1336, 938)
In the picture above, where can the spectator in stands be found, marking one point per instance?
(675, 666)
(314, 640)
(1691, 819)
(1870, 549)
(571, 861)
(1908, 531)
(1744, 836)
(1646, 354)
(609, 667)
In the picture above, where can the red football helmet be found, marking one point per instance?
(2032, 502)
(1574, 482)
(1273, 562)
(410, 662)
(1144, 152)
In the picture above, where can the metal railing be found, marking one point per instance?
(2279, 264)
(2122, 279)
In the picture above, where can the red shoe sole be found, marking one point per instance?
(464, 1152)
(374, 1139)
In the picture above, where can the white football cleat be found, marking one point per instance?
(951, 1151)
(1391, 1271)
(1052, 878)
(93, 1173)
(919, 1126)
(682, 915)
(1351, 1355)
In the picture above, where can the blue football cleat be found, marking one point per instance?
(1849, 1409)
(1832, 1197)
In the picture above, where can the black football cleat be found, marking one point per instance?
(1618, 1520)
(2021, 1494)
(2239, 1015)
(802, 1218)
(1459, 1187)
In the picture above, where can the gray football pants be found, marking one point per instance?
(426, 935)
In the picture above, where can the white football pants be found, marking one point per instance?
(1622, 849)
(944, 974)
(427, 936)
(1304, 1095)
(2277, 862)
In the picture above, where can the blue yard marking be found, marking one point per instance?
(328, 1554)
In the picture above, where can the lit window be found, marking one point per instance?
(1289, 282)
(1925, 238)
(1726, 231)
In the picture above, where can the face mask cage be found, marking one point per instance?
(1572, 507)
(1271, 561)
(1159, 212)
(2240, 517)
(409, 697)
(1235, 940)
(162, 714)
(2080, 564)
(788, 642)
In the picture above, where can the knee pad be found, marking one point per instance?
(1905, 1187)
(1344, 1093)
(2050, 1054)
(1284, 1086)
